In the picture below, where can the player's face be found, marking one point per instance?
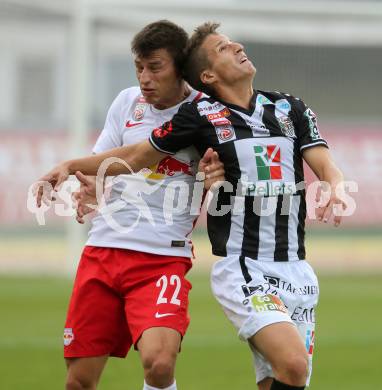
(228, 61)
(158, 79)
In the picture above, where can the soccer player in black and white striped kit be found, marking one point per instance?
(257, 222)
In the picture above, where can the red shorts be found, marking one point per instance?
(119, 293)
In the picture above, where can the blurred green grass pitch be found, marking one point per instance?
(348, 350)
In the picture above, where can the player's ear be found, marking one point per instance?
(207, 77)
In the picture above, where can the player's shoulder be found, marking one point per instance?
(275, 96)
(192, 99)
(129, 99)
(129, 94)
(206, 105)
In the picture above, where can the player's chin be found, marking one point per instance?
(249, 68)
(246, 71)
(151, 98)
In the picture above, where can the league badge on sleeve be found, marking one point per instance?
(312, 121)
(224, 130)
(225, 133)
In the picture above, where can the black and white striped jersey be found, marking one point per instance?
(260, 211)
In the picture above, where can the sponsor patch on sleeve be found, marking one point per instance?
(162, 131)
(312, 122)
(68, 336)
(225, 133)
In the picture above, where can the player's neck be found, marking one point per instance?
(239, 94)
(180, 93)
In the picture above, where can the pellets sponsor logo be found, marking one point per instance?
(68, 336)
(271, 188)
(268, 162)
(262, 303)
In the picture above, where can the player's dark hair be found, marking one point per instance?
(162, 34)
(197, 58)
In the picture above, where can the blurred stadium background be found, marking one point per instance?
(62, 62)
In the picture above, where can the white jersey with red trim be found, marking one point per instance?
(148, 211)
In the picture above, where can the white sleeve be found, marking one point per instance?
(111, 136)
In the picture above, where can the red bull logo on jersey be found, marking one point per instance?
(68, 336)
(169, 166)
(268, 162)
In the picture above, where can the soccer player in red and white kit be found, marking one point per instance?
(130, 288)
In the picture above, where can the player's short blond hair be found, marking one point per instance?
(197, 58)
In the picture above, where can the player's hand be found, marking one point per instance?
(331, 203)
(50, 183)
(212, 167)
(85, 200)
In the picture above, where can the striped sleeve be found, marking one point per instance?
(178, 133)
(308, 133)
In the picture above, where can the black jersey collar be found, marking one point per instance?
(248, 112)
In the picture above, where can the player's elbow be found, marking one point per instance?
(131, 155)
(140, 156)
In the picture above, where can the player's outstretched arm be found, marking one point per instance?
(135, 158)
(320, 161)
(123, 160)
